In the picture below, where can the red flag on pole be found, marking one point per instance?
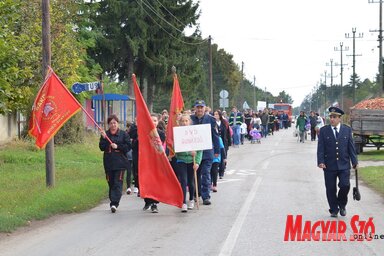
(54, 105)
(156, 176)
(177, 105)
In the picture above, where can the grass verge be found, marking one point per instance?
(373, 155)
(24, 197)
(373, 176)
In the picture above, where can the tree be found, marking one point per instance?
(146, 38)
(284, 98)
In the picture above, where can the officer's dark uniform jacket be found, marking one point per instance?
(336, 154)
(115, 159)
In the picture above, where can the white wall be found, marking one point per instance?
(8, 127)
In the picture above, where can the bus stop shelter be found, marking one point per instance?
(123, 106)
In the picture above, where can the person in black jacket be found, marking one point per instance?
(224, 133)
(114, 159)
(135, 157)
(313, 122)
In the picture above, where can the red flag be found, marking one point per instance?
(177, 105)
(156, 176)
(54, 105)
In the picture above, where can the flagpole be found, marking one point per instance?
(93, 120)
(81, 106)
(196, 187)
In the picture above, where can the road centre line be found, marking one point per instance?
(231, 240)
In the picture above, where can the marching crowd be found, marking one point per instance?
(121, 153)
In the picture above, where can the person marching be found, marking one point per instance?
(135, 157)
(203, 173)
(235, 120)
(271, 122)
(319, 124)
(313, 122)
(300, 124)
(217, 161)
(130, 163)
(264, 117)
(149, 202)
(225, 134)
(114, 159)
(335, 152)
(186, 164)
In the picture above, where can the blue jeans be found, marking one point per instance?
(236, 134)
(204, 178)
(265, 130)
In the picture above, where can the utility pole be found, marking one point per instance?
(254, 93)
(380, 39)
(325, 90)
(210, 69)
(331, 86)
(341, 71)
(354, 62)
(266, 96)
(241, 83)
(46, 41)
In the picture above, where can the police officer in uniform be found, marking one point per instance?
(335, 152)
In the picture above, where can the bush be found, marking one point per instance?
(72, 131)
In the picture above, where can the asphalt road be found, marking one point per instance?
(264, 183)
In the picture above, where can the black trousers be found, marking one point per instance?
(185, 175)
(313, 133)
(214, 173)
(115, 183)
(135, 165)
(336, 199)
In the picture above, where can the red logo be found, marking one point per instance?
(331, 230)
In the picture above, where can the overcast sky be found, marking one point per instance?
(286, 44)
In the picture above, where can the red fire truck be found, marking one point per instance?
(286, 108)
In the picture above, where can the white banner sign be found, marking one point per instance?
(192, 137)
(261, 105)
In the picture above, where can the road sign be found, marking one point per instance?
(245, 105)
(224, 103)
(81, 87)
(224, 94)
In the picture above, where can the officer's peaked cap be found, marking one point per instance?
(335, 111)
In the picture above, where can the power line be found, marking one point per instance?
(158, 15)
(171, 14)
(165, 30)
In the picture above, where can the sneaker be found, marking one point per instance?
(214, 189)
(206, 202)
(135, 190)
(220, 177)
(129, 191)
(146, 206)
(154, 208)
(184, 208)
(191, 205)
(113, 208)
